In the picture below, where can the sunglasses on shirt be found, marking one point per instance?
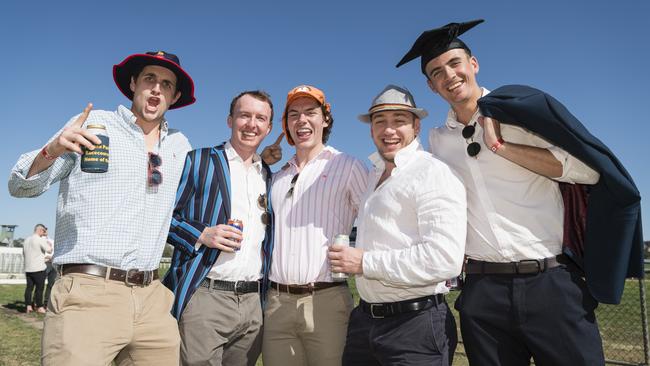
(473, 147)
(293, 185)
(154, 176)
(262, 203)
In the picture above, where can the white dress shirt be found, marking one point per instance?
(412, 228)
(112, 219)
(246, 185)
(324, 203)
(513, 213)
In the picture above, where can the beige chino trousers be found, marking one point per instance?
(93, 321)
(310, 329)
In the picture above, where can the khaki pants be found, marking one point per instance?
(306, 329)
(93, 321)
(221, 328)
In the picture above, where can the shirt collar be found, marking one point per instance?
(452, 122)
(403, 157)
(326, 153)
(127, 115)
(232, 155)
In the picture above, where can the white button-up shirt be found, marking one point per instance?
(412, 228)
(324, 203)
(246, 185)
(513, 213)
(113, 219)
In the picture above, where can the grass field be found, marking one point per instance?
(620, 327)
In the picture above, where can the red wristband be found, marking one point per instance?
(46, 155)
(497, 145)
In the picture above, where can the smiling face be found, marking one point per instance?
(305, 123)
(453, 76)
(154, 91)
(250, 123)
(392, 131)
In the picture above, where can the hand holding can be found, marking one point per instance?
(238, 224)
(342, 240)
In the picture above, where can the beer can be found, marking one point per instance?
(343, 240)
(455, 283)
(239, 224)
(96, 161)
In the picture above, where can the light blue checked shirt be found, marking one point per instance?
(112, 219)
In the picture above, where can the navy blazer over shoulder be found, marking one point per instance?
(613, 239)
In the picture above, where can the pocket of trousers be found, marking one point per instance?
(60, 293)
(86, 292)
(437, 320)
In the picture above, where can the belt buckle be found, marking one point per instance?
(372, 311)
(235, 288)
(129, 273)
(536, 261)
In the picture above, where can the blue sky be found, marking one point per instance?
(57, 56)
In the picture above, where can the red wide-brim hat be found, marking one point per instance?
(123, 71)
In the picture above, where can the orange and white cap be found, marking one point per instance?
(302, 91)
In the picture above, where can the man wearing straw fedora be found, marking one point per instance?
(410, 239)
(111, 226)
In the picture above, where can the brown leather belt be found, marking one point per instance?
(525, 267)
(305, 289)
(131, 277)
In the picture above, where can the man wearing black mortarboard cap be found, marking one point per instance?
(522, 298)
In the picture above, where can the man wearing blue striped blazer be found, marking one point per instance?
(218, 271)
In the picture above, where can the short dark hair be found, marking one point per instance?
(39, 225)
(257, 94)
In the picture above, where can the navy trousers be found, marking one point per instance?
(507, 319)
(426, 337)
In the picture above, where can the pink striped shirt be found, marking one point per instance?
(324, 203)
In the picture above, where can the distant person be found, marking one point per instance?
(112, 225)
(315, 197)
(50, 271)
(34, 249)
(553, 217)
(410, 240)
(218, 271)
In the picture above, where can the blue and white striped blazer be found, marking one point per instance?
(203, 200)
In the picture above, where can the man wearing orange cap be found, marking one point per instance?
(315, 197)
(111, 226)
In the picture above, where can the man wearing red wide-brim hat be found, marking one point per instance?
(119, 172)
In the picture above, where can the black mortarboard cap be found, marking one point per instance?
(434, 42)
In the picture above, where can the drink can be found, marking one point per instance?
(455, 283)
(239, 224)
(343, 240)
(96, 161)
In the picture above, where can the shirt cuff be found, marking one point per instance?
(35, 184)
(573, 169)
